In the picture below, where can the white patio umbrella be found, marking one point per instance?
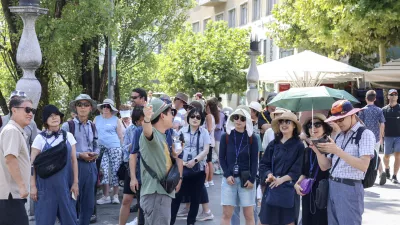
(307, 69)
(389, 72)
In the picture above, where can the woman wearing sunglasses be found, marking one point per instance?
(279, 168)
(109, 129)
(315, 129)
(238, 156)
(195, 149)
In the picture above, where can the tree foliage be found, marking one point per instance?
(74, 37)
(336, 27)
(211, 63)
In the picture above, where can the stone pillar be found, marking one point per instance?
(29, 55)
(252, 74)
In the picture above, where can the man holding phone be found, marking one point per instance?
(87, 151)
(349, 162)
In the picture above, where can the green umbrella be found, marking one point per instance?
(310, 98)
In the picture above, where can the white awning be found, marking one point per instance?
(389, 72)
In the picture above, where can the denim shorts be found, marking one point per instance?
(392, 145)
(235, 195)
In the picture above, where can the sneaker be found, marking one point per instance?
(394, 179)
(115, 199)
(104, 200)
(218, 172)
(183, 212)
(207, 184)
(387, 171)
(211, 183)
(134, 222)
(205, 216)
(382, 177)
(93, 219)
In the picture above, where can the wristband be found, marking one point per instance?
(146, 121)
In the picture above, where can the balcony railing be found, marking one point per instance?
(211, 2)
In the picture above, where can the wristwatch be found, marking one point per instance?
(195, 160)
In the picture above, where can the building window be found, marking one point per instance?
(205, 23)
(285, 52)
(270, 5)
(219, 17)
(232, 18)
(196, 27)
(243, 14)
(256, 9)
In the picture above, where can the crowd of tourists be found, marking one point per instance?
(164, 152)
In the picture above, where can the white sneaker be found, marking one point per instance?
(134, 222)
(115, 199)
(205, 216)
(206, 184)
(104, 200)
(211, 183)
(183, 212)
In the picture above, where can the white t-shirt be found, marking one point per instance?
(180, 114)
(40, 141)
(268, 137)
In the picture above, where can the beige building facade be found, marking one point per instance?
(240, 14)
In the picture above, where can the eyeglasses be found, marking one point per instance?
(393, 94)
(27, 109)
(82, 104)
(339, 120)
(284, 121)
(106, 106)
(198, 117)
(316, 125)
(18, 93)
(237, 117)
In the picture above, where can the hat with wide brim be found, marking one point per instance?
(278, 111)
(230, 125)
(341, 109)
(72, 104)
(110, 102)
(286, 116)
(182, 97)
(159, 106)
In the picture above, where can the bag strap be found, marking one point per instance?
(265, 118)
(351, 137)
(71, 126)
(198, 142)
(149, 170)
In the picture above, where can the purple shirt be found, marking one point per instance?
(372, 116)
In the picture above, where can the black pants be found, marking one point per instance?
(12, 211)
(191, 186)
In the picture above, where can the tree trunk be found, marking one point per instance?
(382, 54)
(116, 92)
(3, 104)
(104, 76)
(44, 78)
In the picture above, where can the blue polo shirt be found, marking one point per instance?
(372, 116)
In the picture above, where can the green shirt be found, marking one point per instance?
(156, 154)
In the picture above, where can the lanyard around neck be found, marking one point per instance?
(237, 150)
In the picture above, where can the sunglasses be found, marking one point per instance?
(198, 117)
(394, 94)
(173, 112)
(135, 97)
(18, 93)
(237, 117)
(27, 109)
(316, 125)
(284, 121)
(339, 120)
(82, 104)
(106, 106)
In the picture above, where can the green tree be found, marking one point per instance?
(73, 36)
(211, 63)
(337, 27)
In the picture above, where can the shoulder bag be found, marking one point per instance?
(52, 160)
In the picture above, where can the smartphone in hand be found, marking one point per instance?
(316, 141)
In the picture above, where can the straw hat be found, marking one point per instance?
(278, 111)
(286, 116)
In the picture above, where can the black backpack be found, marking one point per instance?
(372, 171)
(71, 126)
